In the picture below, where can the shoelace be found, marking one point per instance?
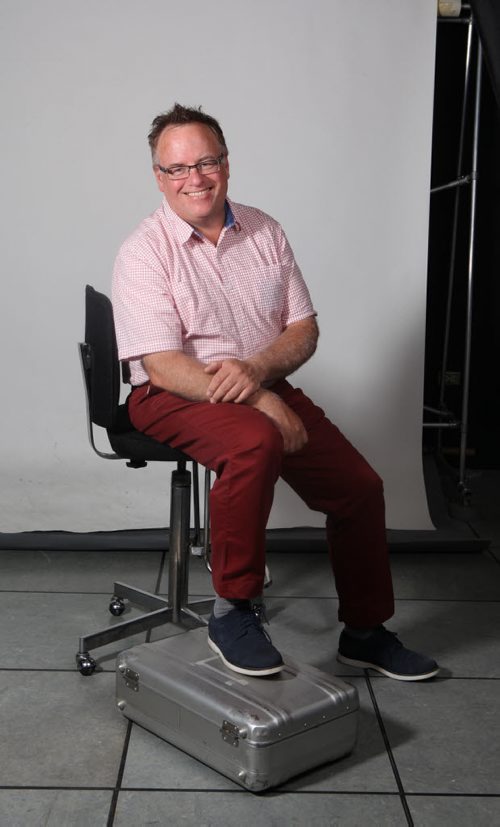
(391, 637)
(250, 623)
(259, 611)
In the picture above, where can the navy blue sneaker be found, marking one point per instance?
(241, 642)
(383, 651)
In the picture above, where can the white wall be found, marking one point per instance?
(327, 110)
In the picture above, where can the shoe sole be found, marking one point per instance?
(254, 673)
(361, 664)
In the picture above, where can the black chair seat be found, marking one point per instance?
(133, 445)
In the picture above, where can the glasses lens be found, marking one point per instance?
(204, 167)
(208, 166)
(177, 172)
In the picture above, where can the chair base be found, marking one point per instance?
(160, 611)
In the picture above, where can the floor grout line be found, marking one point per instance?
(343, 675)
(384, 793)
(206, 595)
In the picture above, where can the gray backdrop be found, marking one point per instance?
(327, 109)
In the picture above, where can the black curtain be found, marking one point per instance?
(485, 385)
(484, 399)
(487, 19)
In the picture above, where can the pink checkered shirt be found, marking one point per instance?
(173, 290)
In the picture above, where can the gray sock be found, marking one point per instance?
(222, 606)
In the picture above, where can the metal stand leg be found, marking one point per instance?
(462, 507)
(462, 484)
(179, 542)
(158, 609)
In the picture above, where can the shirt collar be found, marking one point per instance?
(184, 231)
(230, 219)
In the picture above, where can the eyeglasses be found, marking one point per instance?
(178, 171)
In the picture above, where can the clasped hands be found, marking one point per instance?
(233, 380)
(238, 381)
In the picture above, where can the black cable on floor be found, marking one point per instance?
(117, 788)
(388, 747)
(119, 778)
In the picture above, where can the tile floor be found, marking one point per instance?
(427, 754)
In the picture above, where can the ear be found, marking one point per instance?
(158, 174)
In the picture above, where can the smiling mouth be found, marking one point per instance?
(198, 193)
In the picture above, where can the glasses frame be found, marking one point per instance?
(189, 167)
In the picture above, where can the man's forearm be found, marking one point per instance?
(288, 352)
(173, 371)
(233, 380)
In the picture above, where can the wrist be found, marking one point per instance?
(258, 369)
(256, 398)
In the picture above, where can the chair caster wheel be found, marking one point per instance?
(86, 665)
(117, 606)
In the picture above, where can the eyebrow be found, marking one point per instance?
(184, 164)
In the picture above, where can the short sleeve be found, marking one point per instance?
(297, 304)
(146, 320)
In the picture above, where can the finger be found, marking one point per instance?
(217, 381)
(230, 387)
(227, 391)
(241, 391)
(302, 442)
(229, 397)
(212, 367)
(297, 441)
(245, 393)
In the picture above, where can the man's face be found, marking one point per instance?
(198, 199)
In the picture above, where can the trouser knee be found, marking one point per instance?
(368, 490)
(259, 445)
(370, 485)
(363, 494)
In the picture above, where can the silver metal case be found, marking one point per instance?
(257, 731)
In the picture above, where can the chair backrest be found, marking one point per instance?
(103, 376)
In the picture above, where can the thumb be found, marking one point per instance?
(212, 367)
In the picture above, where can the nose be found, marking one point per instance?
(195, 175)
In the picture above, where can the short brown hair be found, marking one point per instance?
(180, 116)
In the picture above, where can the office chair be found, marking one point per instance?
(101, 371)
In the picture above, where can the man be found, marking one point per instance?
(212, 313)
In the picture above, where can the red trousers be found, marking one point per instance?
(245, 449)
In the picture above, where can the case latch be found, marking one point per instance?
(230, 733)
(130, 677)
